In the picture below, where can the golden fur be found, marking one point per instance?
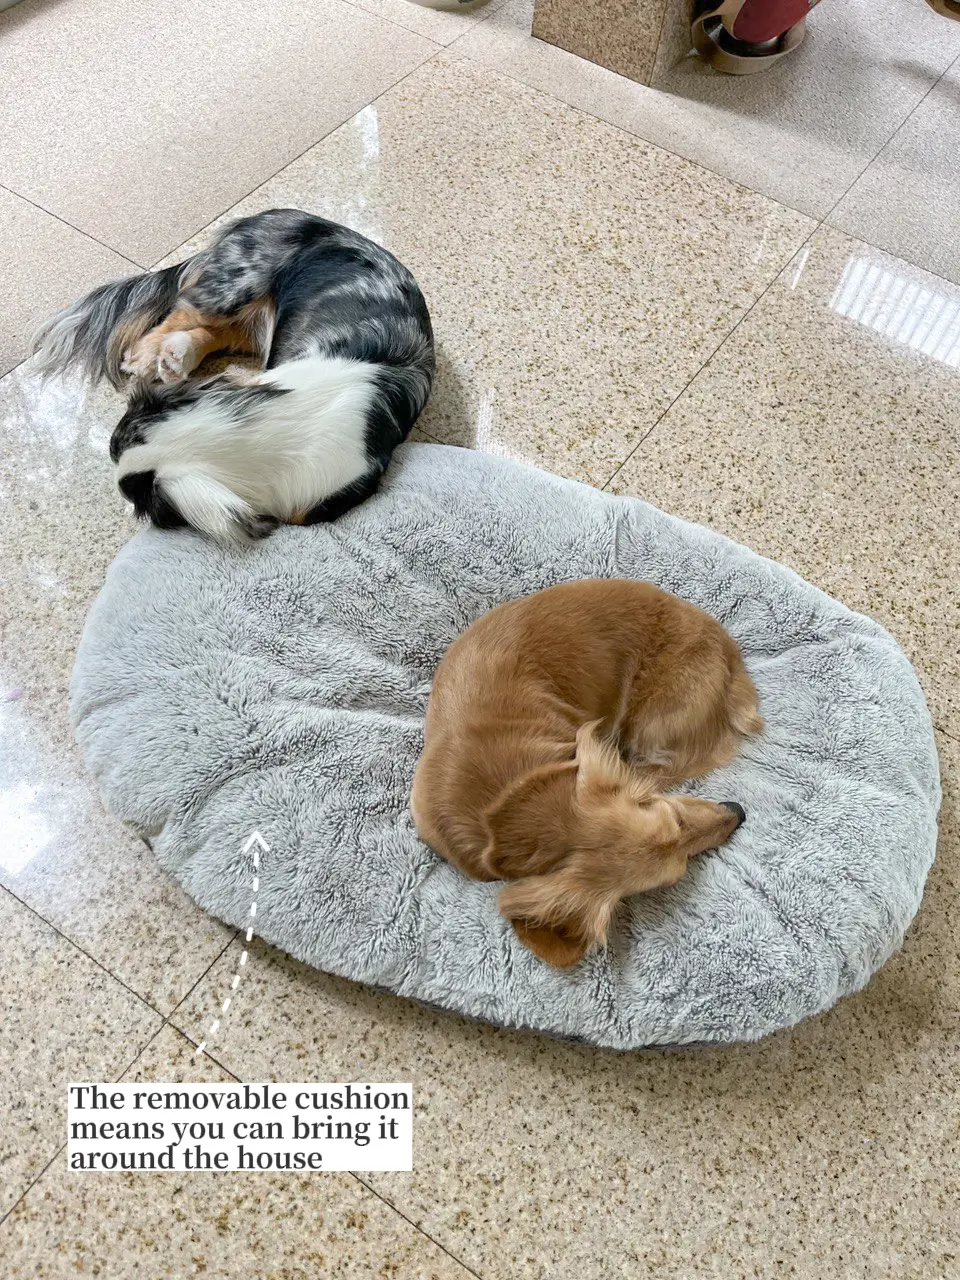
(555, 725)
(174, 348)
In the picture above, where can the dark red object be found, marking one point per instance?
(762, 20)
(743, 36)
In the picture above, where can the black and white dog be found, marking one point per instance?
(345, 337)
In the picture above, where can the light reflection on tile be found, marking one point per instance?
(831, 444)
(26, 831)
(61, 522)
(923, 316)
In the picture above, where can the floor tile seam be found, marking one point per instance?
(57, 217)
(714, 353)
(4, 1217)
(76, 946)
(880, 150)
(822, 224)
(432, 56)
(130, 1065)
(416, 1226)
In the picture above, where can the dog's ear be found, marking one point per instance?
(556, 916)
(556, 946)
(518, 826)
(742, 709)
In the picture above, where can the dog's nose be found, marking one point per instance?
(735, 808)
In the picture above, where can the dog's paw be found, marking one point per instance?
(175, 359)
(140, 361)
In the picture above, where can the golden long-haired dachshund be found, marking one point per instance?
(555, 725)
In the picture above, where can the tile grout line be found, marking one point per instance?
(416, 1226)
(76, 945)
(233, 1076)
(177, 1031)
(167, 1022)
(118, 253)
(130, 1065)
(393, 22)
(437, 50)
(26, 1191)
(713, 354)
(821, 224)
(367, 1187)
(201, 1048)
(139, 1054)
(880, 150)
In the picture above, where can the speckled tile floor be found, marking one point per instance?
(630, 289)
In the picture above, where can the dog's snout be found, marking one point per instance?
(738, 809)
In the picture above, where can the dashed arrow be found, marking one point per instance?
(255, 839)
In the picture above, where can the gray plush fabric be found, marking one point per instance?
(283, 688)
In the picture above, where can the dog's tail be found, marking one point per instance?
(209, 506)
(92, 334)
(742, 710)
(200, 501)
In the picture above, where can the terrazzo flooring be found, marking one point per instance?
(739, 300)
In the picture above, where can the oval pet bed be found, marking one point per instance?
(283, 689)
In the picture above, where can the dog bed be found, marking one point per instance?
(282, 689)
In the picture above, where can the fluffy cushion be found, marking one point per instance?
(283, 689)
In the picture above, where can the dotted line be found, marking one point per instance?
(255, 840)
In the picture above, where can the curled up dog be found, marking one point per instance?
(344, 335)
(556, 726)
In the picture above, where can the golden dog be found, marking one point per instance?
(555, 725)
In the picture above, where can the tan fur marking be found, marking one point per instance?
(241, 334)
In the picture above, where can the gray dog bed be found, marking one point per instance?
(283, 689)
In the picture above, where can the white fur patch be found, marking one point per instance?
(283, 457)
